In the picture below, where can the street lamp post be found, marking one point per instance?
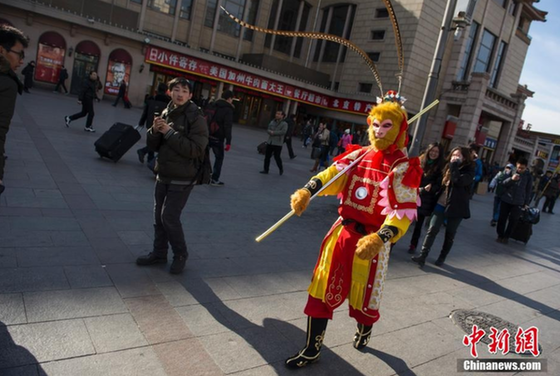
(431, 86)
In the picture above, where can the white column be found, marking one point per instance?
(298, 23)
(276, 22)
(313, 42)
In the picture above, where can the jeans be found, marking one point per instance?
(417, 230)
(87, 109)
(169, 201)
(277, 151)
(450, 230)
(218, 150)
(509, 214)
(496, 212)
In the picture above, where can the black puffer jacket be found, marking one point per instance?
(224, 117)
(429, 198)
(182, 149)
(459, 191)
(88, 91)
(10, 85)
(518, 192)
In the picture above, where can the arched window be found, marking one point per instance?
(118, 71)
(86, 60)
(50, 57)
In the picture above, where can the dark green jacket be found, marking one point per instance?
(9, 88)
(181, 150)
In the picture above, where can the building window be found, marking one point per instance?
(136, 1)
(498, 64)
(287, 21)
(163, 6)
(336, 27)
(512, 9)
(502, 3)
(463, 69)
(381, 13)
(364, 87)
(378, 34)
(186, 7)
(374, 56)
(237, 8)
(485, 52)
(336, 85)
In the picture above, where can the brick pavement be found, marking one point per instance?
(72, 301)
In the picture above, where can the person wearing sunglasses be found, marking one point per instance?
(12, 45)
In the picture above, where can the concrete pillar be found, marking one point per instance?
(215, 26)
(276, 22)
(176, 19)
(313, 42)
(294, 108)
(298, 23)
(286, 106)
(142, 15)
(340, 47)
(471, 110)
(242, 31)
(324, 43)
(219, 90)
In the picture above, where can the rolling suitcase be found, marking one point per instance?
(523, 231)
(114, 143)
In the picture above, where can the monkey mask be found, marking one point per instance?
(388, 124)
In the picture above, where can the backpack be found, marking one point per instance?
(210, 116)
(204, 173)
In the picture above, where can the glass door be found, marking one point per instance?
(83, 65)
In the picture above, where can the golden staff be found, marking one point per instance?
(291, 213)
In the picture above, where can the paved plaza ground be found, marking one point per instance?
(73, 302)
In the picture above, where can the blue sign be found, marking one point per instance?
(490, 143)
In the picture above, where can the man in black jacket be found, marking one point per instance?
(12, 45)
(87, 94)
(180, 137)
(62, 77)
(290, 120)
(222, 121)
(154, 105)
(516, 195)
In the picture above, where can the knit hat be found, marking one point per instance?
(347, 131)
(510, 166)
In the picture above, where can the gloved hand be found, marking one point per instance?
(300, 201)
(369, 246)
(227, 147)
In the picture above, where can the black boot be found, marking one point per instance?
(421, 258)
(362, 336)
(310, 354)
(447, 244)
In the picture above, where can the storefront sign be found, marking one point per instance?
(199, 67)
(49, 61)
(116, 73)
(490, 143)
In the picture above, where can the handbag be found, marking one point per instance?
(316, 152)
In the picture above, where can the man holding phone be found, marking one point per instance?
(180, 137)
(515, 197)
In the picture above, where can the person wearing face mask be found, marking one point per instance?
(432, 164)
(453, 201)
(88, 94)
(12, 46)
(516, 196)
(497, 185)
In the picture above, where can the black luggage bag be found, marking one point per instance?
(114, 143)
(261, 148)
(523, 231)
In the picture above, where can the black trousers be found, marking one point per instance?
(59, 84)
(218, 150)
(169, 201)
(87, 109)
(277, 151)
(548, 205)
(509, 214)
(288, 142)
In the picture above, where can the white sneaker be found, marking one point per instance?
(89, 129)
(67, 121)
(216, 183)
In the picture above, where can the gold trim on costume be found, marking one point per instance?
(374, 196)
(337, 295)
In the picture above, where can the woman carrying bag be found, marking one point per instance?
(452, 203)
(320, 146)
(432, 164)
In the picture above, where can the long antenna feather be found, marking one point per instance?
(398, 39)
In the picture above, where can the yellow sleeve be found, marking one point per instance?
(401, 224)
(326, 176)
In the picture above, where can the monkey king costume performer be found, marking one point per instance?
(379, 198)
